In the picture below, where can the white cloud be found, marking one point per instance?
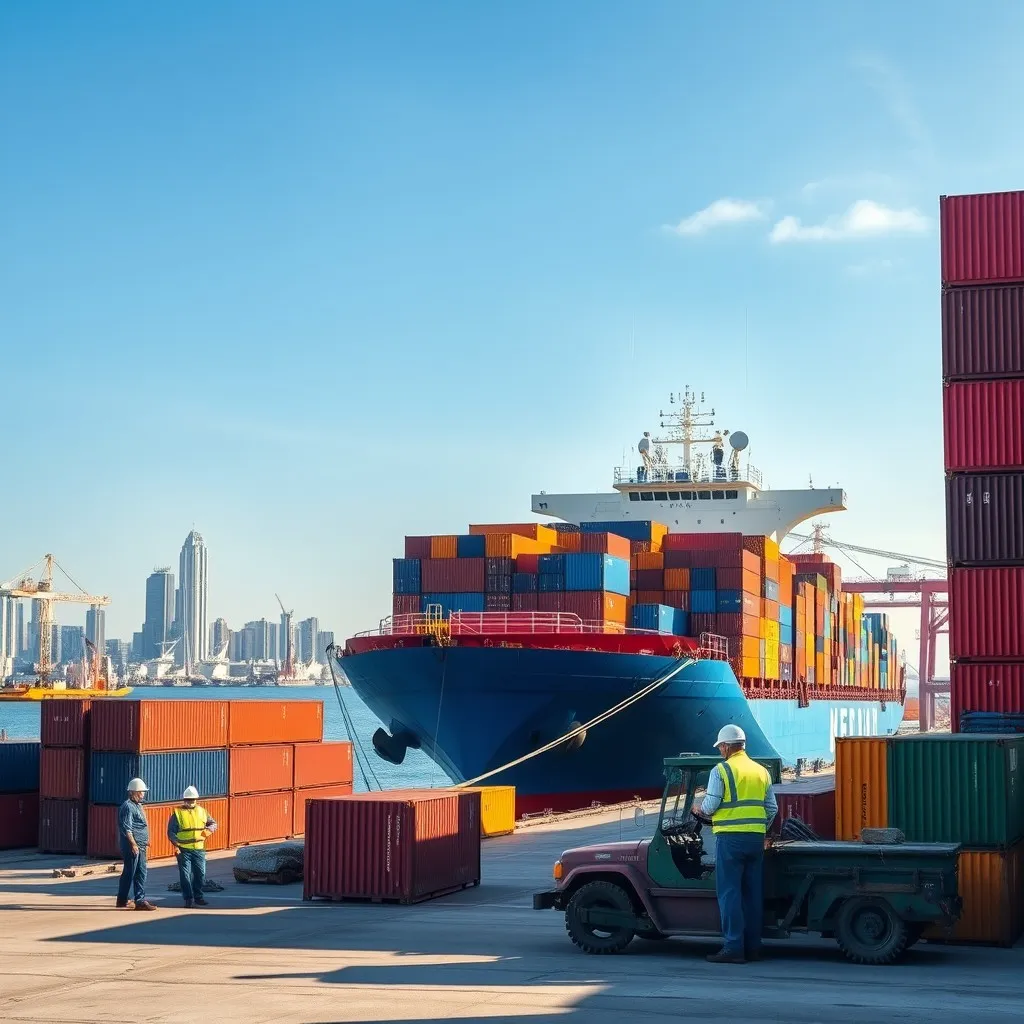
(864, 219)
(718, 214)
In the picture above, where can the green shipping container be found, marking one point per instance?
(959, 788)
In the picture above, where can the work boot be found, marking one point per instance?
(125, 904)
(723, 956)
(200, 902)
(145, 905)
(754, 955)
(189, 904)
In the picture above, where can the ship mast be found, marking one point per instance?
(683, 423)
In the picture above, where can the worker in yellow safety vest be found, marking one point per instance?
(741, 805)
(188, 829)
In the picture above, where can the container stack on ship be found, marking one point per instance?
(982, 240)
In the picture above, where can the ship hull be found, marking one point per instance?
(474, 709)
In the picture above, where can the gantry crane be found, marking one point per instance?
(41, 590)
(288, 662)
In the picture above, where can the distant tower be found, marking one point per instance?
(96, 627)
(220, 634)
(192, 589)
(156, 630)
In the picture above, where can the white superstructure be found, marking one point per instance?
(696, 492)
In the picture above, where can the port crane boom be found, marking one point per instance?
(819, 538)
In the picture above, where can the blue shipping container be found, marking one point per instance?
(524, 582)
(167, 774)
(658, 617)
(19, 767)
(407, 575)
(471, 545)
(639, 530)
(551, 564)
(592, 571)
(785, 616)
(729, 602)
(703, 579)
(771, 590)
(704, 602)
(785, 634)
(453, 602)
(550, 582)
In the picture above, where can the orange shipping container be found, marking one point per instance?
(568, 542)
(444, 547)
(276, 721)
(752, 626)
(103, 839)
(322, 764)
(534, 531)
(605, 544)
(511, 545)
(260, 817)
(677, 579)
(751, 668)
(771, 569)
(303, 796)
(752, 563)
(649, 597)
(751, 648)
(770, 610)
(752, 583)
(648, 560)
(261, 769)
(141, 726)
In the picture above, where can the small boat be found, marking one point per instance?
(29, 692)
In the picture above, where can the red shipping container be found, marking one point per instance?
(260, 769)
(322, 764)
(721, 558)
(551, 602)
(682, 558)
(702, 541)
(703, 622)
(405, 604)
(402, 846)
(141, 726)
(648, 596)
(730, 625)
(985, 519)
(812, 800)
(527, 563)
(64, 722)
(260, 817)
(729, 578)
(62, 826)
(650, 579)
(453, 575)
(418, 547)
(524, 602)
(986, 686)
(982, 238)
(606, 544)
(983, 425)
(104, 841)
(62, 773)
(19, 820)
(278, 721)
(301, 798)
(983, 332)
(595, 605)
(677, 599)
(986, 614)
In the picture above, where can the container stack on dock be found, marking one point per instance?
(19, 795)
(960, 788)
(64, 726)
(982, 241)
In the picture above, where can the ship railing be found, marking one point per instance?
(675, 475)
(712, 647)
(492, 623)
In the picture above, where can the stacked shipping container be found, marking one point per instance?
(65, 729)
(982, 241)
(19, 794)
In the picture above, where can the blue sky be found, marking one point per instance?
(309, 277)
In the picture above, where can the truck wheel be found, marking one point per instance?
(598, 938)
(869, 931)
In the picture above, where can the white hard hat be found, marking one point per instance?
(190, 794)
(137, 786)
(731, 734)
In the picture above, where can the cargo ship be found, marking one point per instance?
(506, 639)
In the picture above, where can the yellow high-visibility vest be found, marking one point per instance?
(745, 785)
(191, 825)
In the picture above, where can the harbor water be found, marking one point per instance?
(20, 720)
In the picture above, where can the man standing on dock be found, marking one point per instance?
(188, 829)
(133, 829)
(741, 805)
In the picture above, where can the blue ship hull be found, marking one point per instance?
(473, 709)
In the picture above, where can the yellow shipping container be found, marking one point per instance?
(497, 809)
(862, 784)
(751, 666)
(534, 531)
(991, 884)
(771, 549)
(444, 547)
(510, 545)
(658, 532)
(770, 631)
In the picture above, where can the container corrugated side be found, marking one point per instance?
(104, 841)
(62, 826)
(167, 774)
(983, 332)
(589, 571)
(260, 817)
(814, 805)
(985, 519)
(453, 575)
(405, 575)
(64, 722)
(301, 798)
(140, 726)
(862, 784)
(983, 425)
(497, 809)
(702, 542)
(322, 764)
(62, 773)
(982, 237)
(986, 615)
(401, 845)
(260, 769)
(19, 767)
(19, 820)
(991, 885)
(275, 721)
(986, 686)
(960, 788)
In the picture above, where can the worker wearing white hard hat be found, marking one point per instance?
(133, 830)
(741, 804)
(188, 829)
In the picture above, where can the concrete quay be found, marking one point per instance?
(259, 954)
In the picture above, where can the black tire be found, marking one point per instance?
(598, 940)
(869, 931)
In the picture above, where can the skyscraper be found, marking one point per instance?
(260, 631)
(324, 639)
(192, 588)
(72, 643)
(220, 634)
(20, 630)
(8, 639)
(308, 630)
(96, 628)
(156, 630)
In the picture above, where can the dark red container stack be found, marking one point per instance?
(812, 800)
(982, 241)
(398, 846)
(65, 728)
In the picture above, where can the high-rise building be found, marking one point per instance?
(261, 630)
(20, 629)
(286, 640)
(243, 644)
(72, 644)
(56, 650)
(324, 639)
(220, 634)
(308, 630)
(96, 628)
(156, 630)
(32, 647)
(8, 637)
(119, 652)
(192, 588)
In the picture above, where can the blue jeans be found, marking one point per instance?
(192, 873)
(133, 874)
(739, 880)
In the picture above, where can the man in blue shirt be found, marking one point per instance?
(133, 830)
